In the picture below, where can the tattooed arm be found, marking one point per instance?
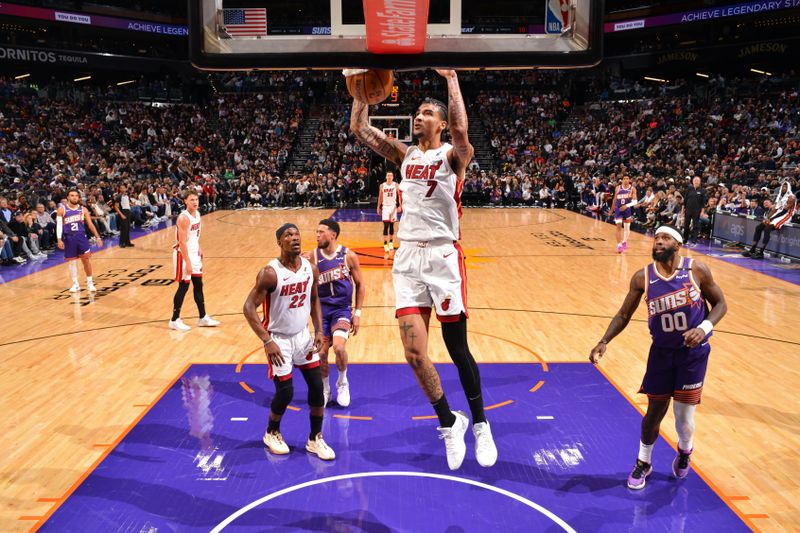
(462, 152)
(391, 149)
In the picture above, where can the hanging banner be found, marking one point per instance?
(396, 26)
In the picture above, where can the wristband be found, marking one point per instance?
(706, 326)
(601, 341)
(269, 341)
(357, 312)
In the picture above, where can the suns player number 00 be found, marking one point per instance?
(670, 322)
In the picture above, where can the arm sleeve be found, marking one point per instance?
(59, 227)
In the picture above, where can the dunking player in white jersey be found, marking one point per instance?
(187, 264)
(287, 290)
(429, 266)
(390, 203)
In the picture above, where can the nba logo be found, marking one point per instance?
(556, 16)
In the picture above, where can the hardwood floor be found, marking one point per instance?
(543, 284)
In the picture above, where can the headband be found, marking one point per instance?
(672, 232)
(283, 228)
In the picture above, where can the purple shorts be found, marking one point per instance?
(623, 215)
(76, 245)
(335, 318)
(676, 372)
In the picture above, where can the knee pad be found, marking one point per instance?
(284, 392)
(313, 378)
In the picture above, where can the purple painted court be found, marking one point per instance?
(195, 461)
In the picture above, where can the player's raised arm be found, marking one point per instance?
(622, 318)
(392, 149)
(457, 122)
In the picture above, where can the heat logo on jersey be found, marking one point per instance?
(335, 274)
(685, 297)
(295, 288)
(422, 172)
(195, 227)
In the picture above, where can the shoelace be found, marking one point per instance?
(449, 443)
(483, 438)
(639, 469)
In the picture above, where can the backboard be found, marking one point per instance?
(320, 34)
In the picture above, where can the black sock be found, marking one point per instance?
(274, 426)
(446, 416)
(177, 300)
(455, 338)
(316, 427)
(476, 408)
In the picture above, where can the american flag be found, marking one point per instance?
(245, 22)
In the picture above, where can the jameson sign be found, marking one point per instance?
(33, 55)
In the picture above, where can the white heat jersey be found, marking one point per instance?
(193, 235)
(288, 308)
(389, 195)
(431, 196)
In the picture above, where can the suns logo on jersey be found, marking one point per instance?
(687, 296)
(422, 172)
(73, 218)
(335, 274)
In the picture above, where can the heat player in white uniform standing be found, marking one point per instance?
(287, 290)
(187, 265)
(429, 267)
(390, 203)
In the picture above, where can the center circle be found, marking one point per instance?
(397, 501)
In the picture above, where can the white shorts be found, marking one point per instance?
(389, 214)
(781, 217)
(428, 274)
(297, 350)
(179, 268)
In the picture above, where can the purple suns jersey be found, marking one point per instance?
(73, 222)
(335, 286)
(674, 304)
(624, 196)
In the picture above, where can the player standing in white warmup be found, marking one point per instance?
(390, 203)
(429, 267)
(287, 290)
(187, 265)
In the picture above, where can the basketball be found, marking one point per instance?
(371, 86)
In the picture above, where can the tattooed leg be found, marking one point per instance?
(414, 334)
